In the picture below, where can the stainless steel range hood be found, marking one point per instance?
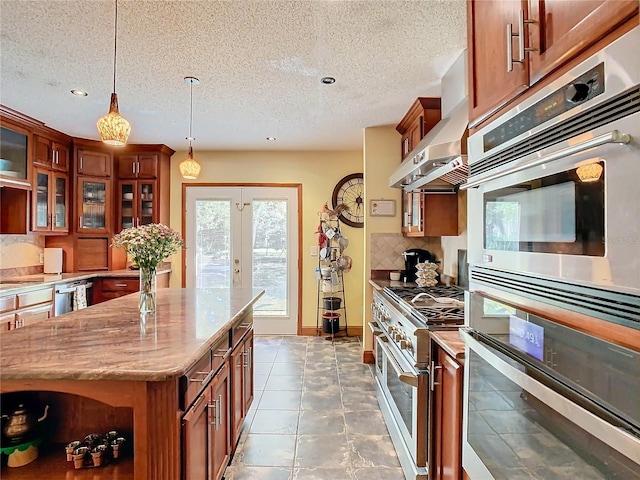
(439, 161)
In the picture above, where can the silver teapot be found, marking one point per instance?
(21, 423)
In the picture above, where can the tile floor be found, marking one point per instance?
(314, 415)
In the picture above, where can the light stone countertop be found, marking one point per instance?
(110, 341)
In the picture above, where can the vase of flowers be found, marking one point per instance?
(147, 246)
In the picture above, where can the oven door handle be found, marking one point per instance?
(407, 377)
(375, 329)
(612, 137)
(615, 437)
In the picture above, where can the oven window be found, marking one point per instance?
(559, 214)
(402, 396)
(516, 435)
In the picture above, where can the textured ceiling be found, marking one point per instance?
(259, 64)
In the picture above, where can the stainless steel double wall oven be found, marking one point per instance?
(552, 327)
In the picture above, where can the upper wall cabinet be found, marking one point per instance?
(421, 117)
(50, 154)
(514, 44)
(93, 162)
(143, 165)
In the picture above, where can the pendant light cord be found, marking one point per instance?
(115, 47)
(190, 111)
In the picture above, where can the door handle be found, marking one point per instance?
(613, 136)
(432, 375)
(236, 270)
(521, 48)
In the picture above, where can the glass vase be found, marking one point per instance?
(147, 290)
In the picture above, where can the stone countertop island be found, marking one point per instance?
(107, 361)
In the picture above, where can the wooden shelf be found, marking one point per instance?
(52, 465)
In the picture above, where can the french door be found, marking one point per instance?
(247, 237)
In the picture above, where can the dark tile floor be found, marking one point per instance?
(314, 416)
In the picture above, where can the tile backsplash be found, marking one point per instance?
(387, 248)
(17, 251)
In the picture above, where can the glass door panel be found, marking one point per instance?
(146, 205)
(60, 204)
(127, 205)
(269, 255)
(42, 200)
(213, 243)
(93, 201)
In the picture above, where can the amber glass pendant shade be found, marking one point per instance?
(189, 167)
(113, 128)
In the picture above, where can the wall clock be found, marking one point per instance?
(350, 191)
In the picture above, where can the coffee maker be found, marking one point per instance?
(412, 257)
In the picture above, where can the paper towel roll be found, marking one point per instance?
(52, 260)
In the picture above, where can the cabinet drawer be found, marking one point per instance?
(7, 303)
(7, 322)
(33, 315)
(196, 379)
(126, 285)
(34, 298)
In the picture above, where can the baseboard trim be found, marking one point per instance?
(317, 332)
(368, 357)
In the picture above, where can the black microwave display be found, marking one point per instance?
(560, 214)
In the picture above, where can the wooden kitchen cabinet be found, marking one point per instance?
(93, 162)
(241, 384)
(51, 154)
(50, 201)
(92, 207)
(446, 407)
(142, 195)
(22, 309)
(429, 214)
(142, 165)
(556, 31)
(205, 431)
(423, 115)
(137, 203)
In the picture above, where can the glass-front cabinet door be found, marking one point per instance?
(42, 206)
(136, 204)
(93, 196)
(60, 203)
(50, 202)
(147, 210)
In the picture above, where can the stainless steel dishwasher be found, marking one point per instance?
(65, 293)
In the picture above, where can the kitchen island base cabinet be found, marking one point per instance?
(241, 384)
(205, 429)
(152, 459)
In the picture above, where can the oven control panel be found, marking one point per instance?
(579, 90)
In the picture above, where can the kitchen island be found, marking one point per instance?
(106, 367)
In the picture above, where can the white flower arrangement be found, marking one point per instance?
(148, 245)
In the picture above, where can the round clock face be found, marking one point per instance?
(350, 191)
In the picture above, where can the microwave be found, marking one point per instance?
(553, 183)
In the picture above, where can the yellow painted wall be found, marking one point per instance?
(318, 172)
(381, 157)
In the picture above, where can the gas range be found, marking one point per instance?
(406, 314)
(440, 304)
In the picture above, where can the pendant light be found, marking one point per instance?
(189, 167)
(113, 128)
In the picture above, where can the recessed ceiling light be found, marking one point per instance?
(328, 80)
(271, 139)
(79, 93)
